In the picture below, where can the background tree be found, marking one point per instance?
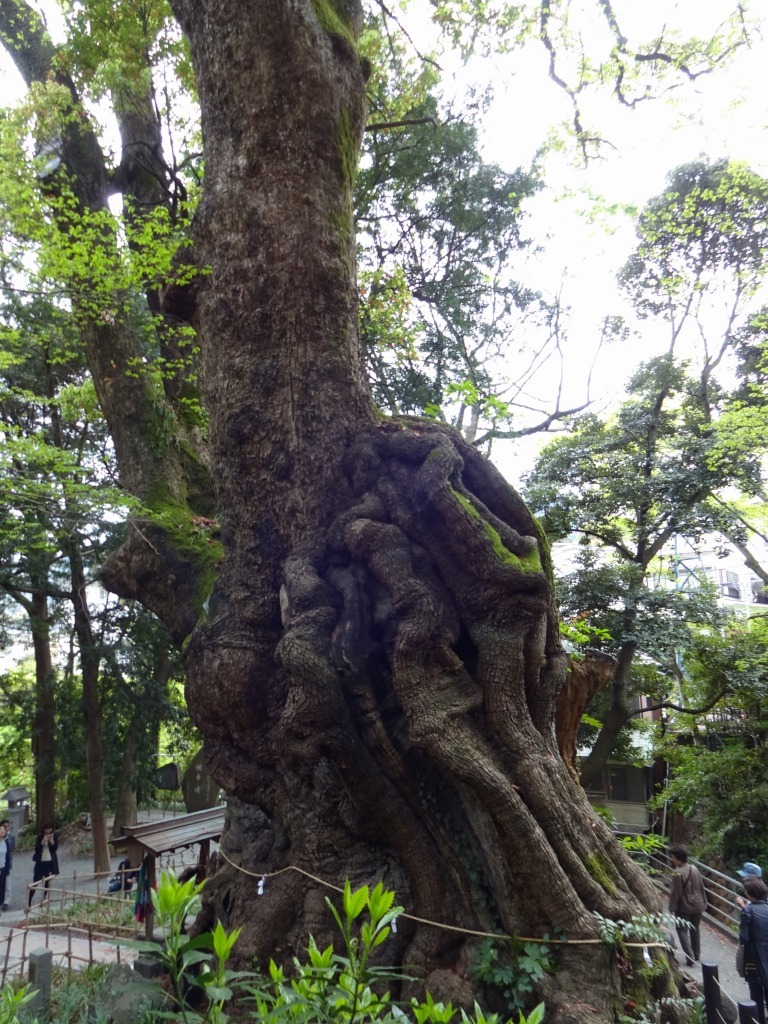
(718, 761)
(668, 462)
(627, 486)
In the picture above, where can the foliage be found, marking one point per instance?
(718, 760)
(630, 486)
(606, 814)
(514, 969)
(73, 993)
(644, 848)
(441, 241)
(669, 1008)
(198, 963)
(704, 236)
(12, 1003)
(650, 844)
(639, 928)
(349, 987)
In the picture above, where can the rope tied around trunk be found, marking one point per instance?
(263, 875)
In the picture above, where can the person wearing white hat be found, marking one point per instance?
(749, 870)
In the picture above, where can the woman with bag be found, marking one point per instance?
(753, 937)
(687, 900)
(45, 858)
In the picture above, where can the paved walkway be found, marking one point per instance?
(720, 949)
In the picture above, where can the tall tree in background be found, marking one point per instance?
(669, 461)
(627, 486)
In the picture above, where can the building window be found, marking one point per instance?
(729, 584)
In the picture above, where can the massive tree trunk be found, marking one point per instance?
(377, 670)
(377, 667)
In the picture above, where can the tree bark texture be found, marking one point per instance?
(90, 661)
(377, 670)
(44, 722)
(584, 679)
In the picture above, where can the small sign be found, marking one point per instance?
(199, 789)
(167, 776)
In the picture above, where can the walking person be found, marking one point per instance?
(753, 936)
(687, 900)
(45, 858)
(750, 870)
(10, 844)
(4, 866)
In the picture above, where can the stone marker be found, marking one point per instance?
(199, 789)
(41, 979)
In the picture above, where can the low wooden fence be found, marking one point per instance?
(77, 919)
(72, 947)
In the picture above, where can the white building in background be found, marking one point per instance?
(684, 566)
(715, 561)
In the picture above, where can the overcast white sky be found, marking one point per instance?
(720, 115)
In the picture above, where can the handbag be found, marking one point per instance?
(740, 957)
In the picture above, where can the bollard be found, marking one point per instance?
(747, 1012)
(41, 978)
(147, 966)
(712, 1005)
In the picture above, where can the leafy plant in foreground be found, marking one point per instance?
(515, 974)
(12, 1000)
(341, 987)
(198, 962)
(348, 987)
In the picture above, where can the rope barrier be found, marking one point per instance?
(435, 924)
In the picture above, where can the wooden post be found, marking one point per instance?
(149, 920)
(7, 956)
(747, 1012)
(712, 1002)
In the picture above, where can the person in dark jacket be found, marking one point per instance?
(688, 901)
(124, 877)
(5, 862)
(753, 935)
(10, 844)
(45, 858)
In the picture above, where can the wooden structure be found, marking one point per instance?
(143, 844)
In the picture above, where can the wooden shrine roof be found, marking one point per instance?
(173, 833)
